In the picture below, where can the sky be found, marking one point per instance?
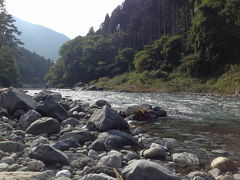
(69, 17)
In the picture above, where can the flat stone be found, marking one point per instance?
(19, 175)
(10, 146)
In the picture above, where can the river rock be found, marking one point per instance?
(35, 165)
(200, 175)
(100, 176)
(144, 169)
(13, 100)
(106, 119)
(227, 177)
(113, 159)
(154, 153)
(159, 112)
(79, 136)
(215, 172)
(45, 94)
(63, 173)
(20, 175)
(185, 159)
(224, 164)
(170, 143)
(51, 108)
(10, 146)
(65, 144)
(101, 103)
(28, 118)
(3, 112)
(44, 125)
(115, 139)
(40, 140)
(48, 154)
(72, 121)
(8, 160)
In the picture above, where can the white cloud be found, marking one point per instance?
(70, 17)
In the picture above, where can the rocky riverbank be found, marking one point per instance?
(48, 137)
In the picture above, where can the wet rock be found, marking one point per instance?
(224, 164)
(45, 94)
(63, 173)
(2, 138)
(10, 146)
(200, 175)
(51, 108)
(159, 112)
(106, 119)
(113, 159)
(185, 159)
(44, 125)
(35, 165)
(28, 118)
(170, 143)
(79, 136)
(13, 100)
(48, 155)
(101, 103)
(115, 139)
(25, 175)
(72, 121)
(154, 153)
(130, 156)
(100, 176)
(144, 169)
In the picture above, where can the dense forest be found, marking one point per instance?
(18, 66)
(158, 39)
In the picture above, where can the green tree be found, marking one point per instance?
(8, 69)
(124, 60)
(8, 30)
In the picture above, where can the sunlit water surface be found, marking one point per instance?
(189, 116)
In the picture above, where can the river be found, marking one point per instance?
(213, 122)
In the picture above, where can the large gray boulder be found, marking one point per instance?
(185, 159)
(28, 118)
(10, 146)
(51, 108)
(113, 139)
(79, 136)
(25, 175)
(13, 100)
(46, 94)
(44, 125)
(106, 119)
(144, 169)
(48, 154)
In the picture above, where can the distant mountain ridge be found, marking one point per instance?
(40, 39)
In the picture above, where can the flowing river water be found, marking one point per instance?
(210, 124)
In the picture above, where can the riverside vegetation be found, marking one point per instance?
(48, 137)
(157, 45)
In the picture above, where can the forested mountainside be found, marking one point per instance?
(157, 41)
(17, 65)
(40, 39)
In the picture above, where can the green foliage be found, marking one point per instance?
(32, 67)
(163, 54)
(214, 38)
(8, 30)
(8, 70)
(124, 60)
